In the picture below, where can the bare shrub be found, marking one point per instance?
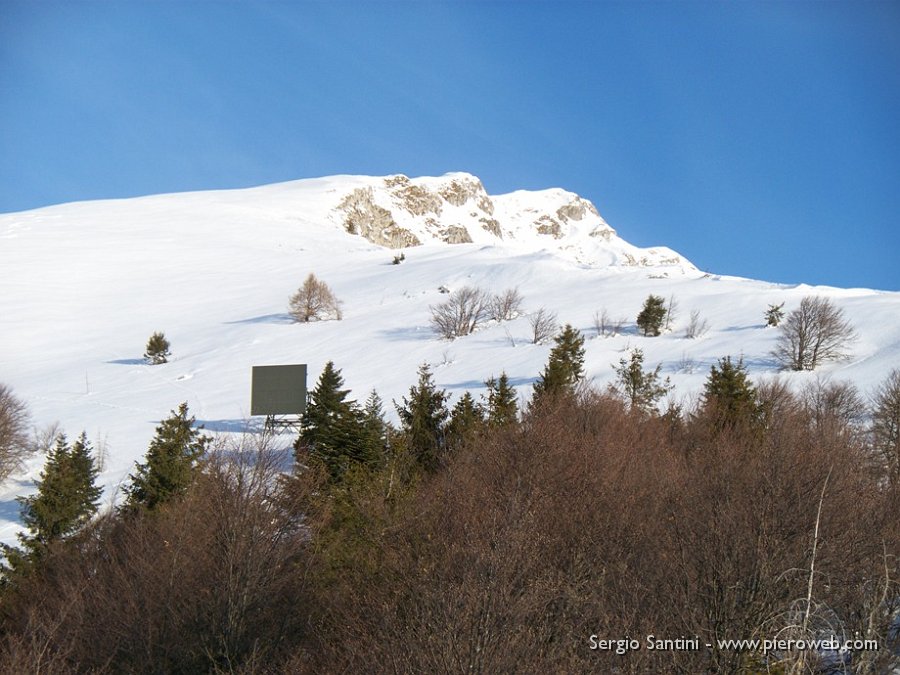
(697, 326)
(833, 402)
(671, 312)
(314, 301)
(886, 423)
(543, 326)
(506, 306)
(813, 333)
(603, 325)
(43, 438)
(15, 447)
(460, 313)
(214, 582)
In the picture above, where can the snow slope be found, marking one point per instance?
(83, 286)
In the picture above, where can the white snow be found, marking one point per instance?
(84, 285)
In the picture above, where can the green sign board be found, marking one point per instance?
(278, 390)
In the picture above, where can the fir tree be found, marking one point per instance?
(333, 431)
(172, 461)
(67, 498)
(565, 368)
(502, 404)
(377, 428)
(423, 417)
(642, 389)
(466, 418)
(651, 318)
(729, 397)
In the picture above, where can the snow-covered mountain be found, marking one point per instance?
(84, 285)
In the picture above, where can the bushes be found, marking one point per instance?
(651, 317)
(460, 313)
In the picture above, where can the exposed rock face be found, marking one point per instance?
(400, 212)
(456, 234)
(365, 218)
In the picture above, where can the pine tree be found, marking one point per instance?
(67, 498)
(466, 418)
(502, 404)
(774, 314)
(157, 349)
(565, 368)
(652, 315)
(642, 389)
(729, 397)
(333, 431)
(172, 461)
(423, 417)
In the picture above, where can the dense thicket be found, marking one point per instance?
(584, 516)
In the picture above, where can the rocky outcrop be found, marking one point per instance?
(367, 219)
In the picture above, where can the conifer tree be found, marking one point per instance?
(502, 404)
(642, 389)
(377, 428)
(423, 417)
(157, 349)
(651, 318)
(466, 418)
(66, 499)
(565, 368)
(333, 431)
(172, 461)
(774, 314)
(729, 397)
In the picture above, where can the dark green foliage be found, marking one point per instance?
(172, 461)
(729, 397)
(66, 499)
(642, 389)
(334, 430)
(565, 368)
(423, 417)
(377, 429)
(157, 349)
(774, 314)
(502, 404)
(466, 418)
(651, 318)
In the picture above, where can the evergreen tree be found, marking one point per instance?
(729, 397)
(774, 314)
(423, 417)
(172, 460)
(333, 430)
(651, 318)
(642, 389)
(502, 403)
(377, 428)
(157, 349)
(565, 368)
(466, 418)
(66, 499)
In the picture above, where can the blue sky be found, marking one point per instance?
(757, 139)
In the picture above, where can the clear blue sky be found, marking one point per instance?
(757, 139)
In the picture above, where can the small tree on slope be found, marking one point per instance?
(172, 461)
(423, 417)
(66, 499)
(651, 317)
(565, 368)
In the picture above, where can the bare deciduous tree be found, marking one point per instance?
(886, 423)
(315, 301)
(697, 325)
(813, 333)
(602, 323)
(543, 325)
(14, 441)
(506, 306)
(460, 313)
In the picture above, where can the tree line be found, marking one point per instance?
(518, 530)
